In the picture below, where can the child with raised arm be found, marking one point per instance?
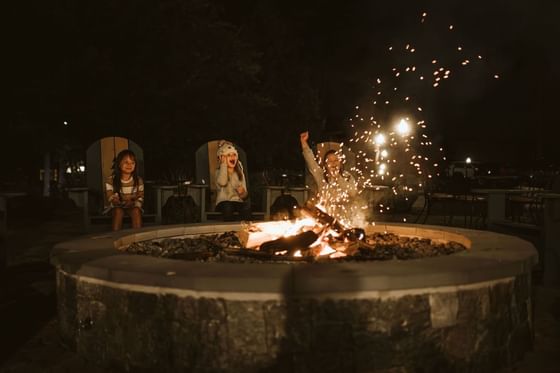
(337, 189)
(125, 190)
(231, 182)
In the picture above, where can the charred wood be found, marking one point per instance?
(323, 218)
(290, 244)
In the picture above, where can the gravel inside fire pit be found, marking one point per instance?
(226, 247)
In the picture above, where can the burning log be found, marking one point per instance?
(256, 234)
(323, 218)
(253, 239)
(300, 234)
(290, 244)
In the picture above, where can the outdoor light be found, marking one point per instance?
(379, 139)
(403, 128)
(468, 160)
(382, 169)
(82, 168)
(68, 170)
(65, 123)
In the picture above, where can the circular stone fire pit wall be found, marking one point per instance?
(464, 312)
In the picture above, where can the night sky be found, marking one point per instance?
(172, 75)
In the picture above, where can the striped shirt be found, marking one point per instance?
(128, 191)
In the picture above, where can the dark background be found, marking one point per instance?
(173, 74)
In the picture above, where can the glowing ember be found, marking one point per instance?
(372, 123)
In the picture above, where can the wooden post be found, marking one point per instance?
(47, 174)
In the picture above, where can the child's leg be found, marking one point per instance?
(118, 214)
(227, 208)
(244, 209)
(135, 217)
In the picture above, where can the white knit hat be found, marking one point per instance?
(225, 148)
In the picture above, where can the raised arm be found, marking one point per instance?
(303, 137)
(310, 161)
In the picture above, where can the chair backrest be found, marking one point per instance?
(207, 164)
(320, 150)
(100, 157)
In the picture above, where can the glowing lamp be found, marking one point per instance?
(379, 139)
(382, 169)
(403, 128)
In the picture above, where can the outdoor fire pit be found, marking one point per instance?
(468, 311)
(227, 247)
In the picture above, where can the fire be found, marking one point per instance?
(327, 250)
(314, 233)
(287, 228)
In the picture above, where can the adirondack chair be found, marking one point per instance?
(99, 163)
(204, 190)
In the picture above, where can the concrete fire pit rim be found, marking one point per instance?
(490, 256)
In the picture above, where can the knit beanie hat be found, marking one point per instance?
(225, 148)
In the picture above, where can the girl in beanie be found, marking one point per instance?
(231, 182)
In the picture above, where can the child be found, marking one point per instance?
(125, 190)
(337, 189)
(230, 180)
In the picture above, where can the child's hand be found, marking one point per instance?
(240, 190)
(223, 159)
(128, 203)
(304, 136)
(115, 199)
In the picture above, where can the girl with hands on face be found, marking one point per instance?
(231, 183)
